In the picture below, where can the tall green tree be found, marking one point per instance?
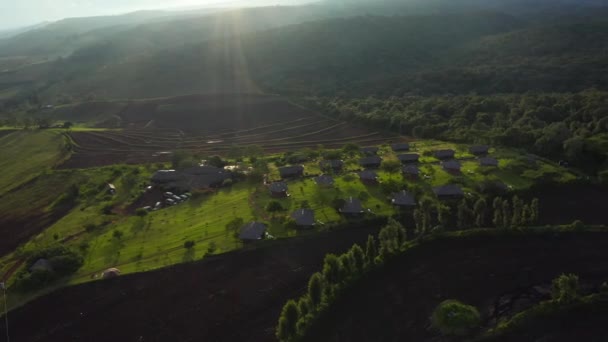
(534, 208)
(371, 251)
(498, 213)
(315, 289)
(288, 321)
(479, 209)
(332, 269)
(358, 258)
(517, 211)
(464, 215)
(506, 214)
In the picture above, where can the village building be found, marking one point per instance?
(368, 177)
(452, 166)
(324, 180)
(408, 158)
(411, 171)
(291, 171)
(487, 161)
(278, 189)
(370, 162)
(448, 191)
(304, 218)
(369, 151)
(352, 207)
(479, 150)
(445, 154)
(331, 165)
(252, 231)
(404, 199)
(402, 147)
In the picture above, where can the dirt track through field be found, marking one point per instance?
(238, 296)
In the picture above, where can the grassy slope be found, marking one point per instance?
(26, 154)
(157, 239)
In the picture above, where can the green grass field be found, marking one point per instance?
(137, 244)
(27, 154)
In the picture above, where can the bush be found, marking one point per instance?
(454, 318)
(565, 288)
(338, 203)
(288, 321)
(141, 212)
(274, 206)
(577, 225)
(189, 244)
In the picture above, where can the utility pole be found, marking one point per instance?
(3, 288)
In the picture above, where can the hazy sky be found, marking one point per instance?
(16, 13)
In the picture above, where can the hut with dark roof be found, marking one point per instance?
(325, 180)
(479, 150)
(291, 171)
(445, 154)
(352, 207)
(278, 189)
(370, 162)
(304, 218)
(487, 161)
(400, 147)
(448, 191)
(404, 199)
(369, 151)
(368, 177)
(252, 231)
(331, 165)
(408, 158)
(411, 171)
(451, 166)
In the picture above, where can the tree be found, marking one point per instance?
(67, 125)
(304, 306)
(391, 166)
(315, 289)
(419, 221)
(346, 266)
(464, 215)
(331, 269)
(189, 244)
(506, 214)
(526, 215)
(234, 225)
(443, 215)
(288, 321)
(370, 251)
(358, 257)
(565, 288)
(535, 211)
(517, 211)
(391, 237)
(452, 317)
(498, 213)
(274, 206)
(480, 212)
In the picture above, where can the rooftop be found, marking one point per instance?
(278, 187)
(352, 206)
(404, 199)
(368, 175)
(324, 180)
(408, 157)
(370, 161)
(400, 147)
(448, 190)
(252, 231)
(304, 217)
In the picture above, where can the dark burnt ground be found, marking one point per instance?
(586, 322)
(395, 303)
(233, 297)
(562, 204)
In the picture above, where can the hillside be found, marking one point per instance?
(238, 296)
(483, 53)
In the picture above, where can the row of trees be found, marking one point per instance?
(561, 126)
(504, 214)
(338, 272)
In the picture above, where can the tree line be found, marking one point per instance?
(566, 126)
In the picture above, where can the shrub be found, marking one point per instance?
(141, 212)
(288, 320)
(564, 288)
(274, 206)
(338, 203)
(452, 317)
(107, 209)
(364, 196)
(189, 244)
(227, 182)
(315, 289)
(577, 225)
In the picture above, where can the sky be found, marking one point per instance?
(19, 13)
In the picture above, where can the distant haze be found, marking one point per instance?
(21, 13)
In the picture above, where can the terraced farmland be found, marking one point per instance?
(151, 145)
